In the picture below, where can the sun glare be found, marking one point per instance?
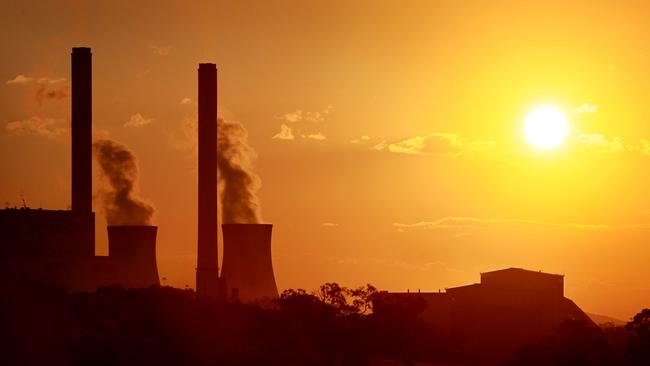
(546, 127)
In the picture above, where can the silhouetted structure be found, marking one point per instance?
(81, 130)
(58, 246)
(207, 270)
(134, 249)
(509, 308)
(247, 264)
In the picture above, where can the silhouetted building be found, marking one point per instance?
(508, 308)
(207, 268)
(247, 264)
(58, 246)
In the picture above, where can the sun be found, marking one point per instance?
(546, 127)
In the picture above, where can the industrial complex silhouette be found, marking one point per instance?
(506, 309)
(58, 246)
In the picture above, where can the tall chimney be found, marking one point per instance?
(207, 271)
(81, 130)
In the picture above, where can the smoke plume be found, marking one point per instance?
(237, 182)
(120, 201)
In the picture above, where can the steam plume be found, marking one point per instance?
(237, 182)
(121, 203)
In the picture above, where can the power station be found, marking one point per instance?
(247, 271)
(58, 246)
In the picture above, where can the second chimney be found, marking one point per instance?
(207, 271)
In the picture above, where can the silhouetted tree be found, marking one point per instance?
(576, 343)
(638, 351)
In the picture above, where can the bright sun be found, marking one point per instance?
(546, 127)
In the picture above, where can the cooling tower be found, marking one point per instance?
(247, 266)
(133, 250)
(207, 269)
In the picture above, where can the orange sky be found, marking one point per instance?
(407, 167)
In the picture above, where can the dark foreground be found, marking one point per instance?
(44, 325)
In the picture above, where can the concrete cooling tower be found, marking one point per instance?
(247, 267)
(133, 249)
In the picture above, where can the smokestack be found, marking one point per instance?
(207, 271)
(247, 264)
(133, 249)
(81, 130)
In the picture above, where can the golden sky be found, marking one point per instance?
(389, 133)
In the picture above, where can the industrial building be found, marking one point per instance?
(247, 271)
(508, 308)
(58, 246)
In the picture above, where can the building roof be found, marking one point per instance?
(520, 270)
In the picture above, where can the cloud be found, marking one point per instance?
(161, 50)
(643, 147)
(43, 92)
(602, 144)
(299, 116)
(137, 120)
(360, 139)
(44, 88)
(38, 126)
(380, 146)
(21, 79)
(466, 222)
(315, 136)
(284, 134)
(447, 144)
(330, 224)
(188, 101)
(50, 81)
(586, 108)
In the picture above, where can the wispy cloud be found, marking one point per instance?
(300, 122)
(300, 115)
(285, 133)
(361, 139)
(605, 145)
(586, 108)
(447, 144)
(20, 79)
(330, 224)
(161, 50)
(601, 143)
(137, 120)
(43, 88)
(468, 222)
(188, 101)
(38, 126)
(380, 146)
(314, 136)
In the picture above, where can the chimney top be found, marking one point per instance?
(80, 49)
(207, 66)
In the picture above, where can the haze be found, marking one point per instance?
(388, 134)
